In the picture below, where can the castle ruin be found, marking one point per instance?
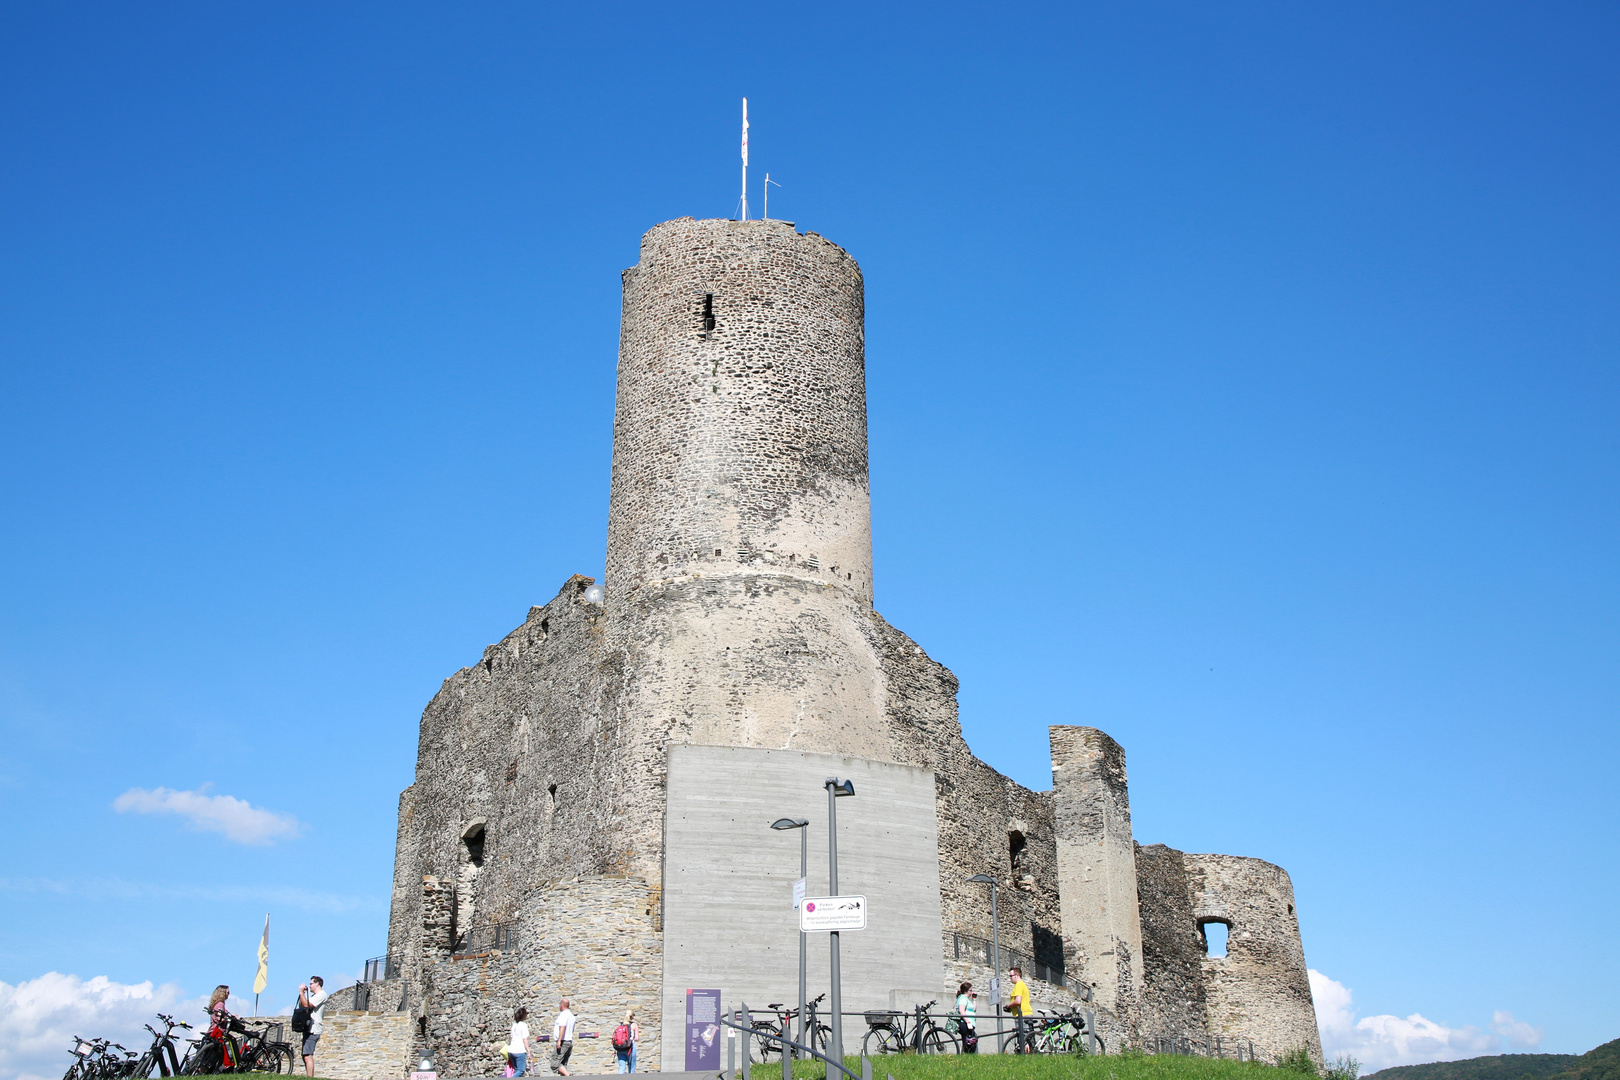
(590, 808)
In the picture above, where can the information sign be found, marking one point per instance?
(703, 1031)
(833, 913)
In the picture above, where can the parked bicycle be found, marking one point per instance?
(1054, 1033)
(262, 1053)
(97, 1061)
(767, 1047)
(890, 1031)
(161, 1056)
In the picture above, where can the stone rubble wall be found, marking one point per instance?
(1261, 989)
(1172, 950)
(590, 940)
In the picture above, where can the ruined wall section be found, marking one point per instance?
(1096, 855)
(1172, 1000)
(587, 939)
(988, 824)
(521, 749)
(1261, 989)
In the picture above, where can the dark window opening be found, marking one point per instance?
(545, 628)
(552, 791)
(511, 771)
(1214, 933)
(708, 312)
(1015, 849)
(474, 839)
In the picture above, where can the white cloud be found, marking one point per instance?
(1520, 1034)
(40, 1017)
(1379, 1042)
(211, 813)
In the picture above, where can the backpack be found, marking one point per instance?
(621, 1037)
(300, 1020)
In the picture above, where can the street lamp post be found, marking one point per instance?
(995, 948)
(804, 873)
(836, 789)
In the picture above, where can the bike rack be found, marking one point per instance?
(748, 1033)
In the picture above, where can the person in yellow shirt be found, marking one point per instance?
(1018, 1004)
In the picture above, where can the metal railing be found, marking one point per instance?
(961, 946)
(502, 936)
(381, 969)
(1215, 1046)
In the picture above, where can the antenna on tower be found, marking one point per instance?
(768, 183)
(745, 160)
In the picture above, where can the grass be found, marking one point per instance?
(1041, 1067)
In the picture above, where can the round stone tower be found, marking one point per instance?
(739, 437)
(739, 561)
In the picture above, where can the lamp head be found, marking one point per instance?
(981, 879)
(840, 788)
(789, 823)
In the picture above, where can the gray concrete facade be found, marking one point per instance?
(728, 879)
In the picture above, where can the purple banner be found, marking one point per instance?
(703, 1033)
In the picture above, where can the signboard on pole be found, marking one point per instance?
(833, 913)
(798, 893)
(703, 1031)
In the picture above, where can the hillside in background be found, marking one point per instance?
(1602, 1063)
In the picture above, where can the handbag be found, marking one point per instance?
(300, 1020)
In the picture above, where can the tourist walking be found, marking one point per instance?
(1018, 1004)
(518, 1045)
(967, 1017)
(562, 1036)
(625, 1038)
(312, 996)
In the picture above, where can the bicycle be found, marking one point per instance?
(888, 1032)
(766, 1042)
(262, 1054)
(161, 1055)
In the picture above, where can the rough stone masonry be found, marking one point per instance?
(737, 612)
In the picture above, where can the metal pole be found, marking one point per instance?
(836, 1051)
(995, 960)
(804, 873)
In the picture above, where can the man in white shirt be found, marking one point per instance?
(312, 996)
(562, 1038)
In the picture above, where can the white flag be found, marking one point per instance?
(745, 132)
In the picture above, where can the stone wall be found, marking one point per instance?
(372, 1045)
(1172, 950)
(589, 939)
(1102, 928)
(1261, 989)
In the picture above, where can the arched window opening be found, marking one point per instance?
(1213, 933)
(1015, 850)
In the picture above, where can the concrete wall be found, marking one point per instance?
(1096, 857)
(728, 917)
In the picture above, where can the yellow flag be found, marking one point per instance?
(264, 959)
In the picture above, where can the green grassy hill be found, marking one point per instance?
(1603, 1063)
(1500, 1067)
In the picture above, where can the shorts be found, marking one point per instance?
(560, 1055)
(309, 1044)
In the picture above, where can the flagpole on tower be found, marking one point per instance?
(745, 161)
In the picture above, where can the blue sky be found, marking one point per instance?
(1242, 381)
